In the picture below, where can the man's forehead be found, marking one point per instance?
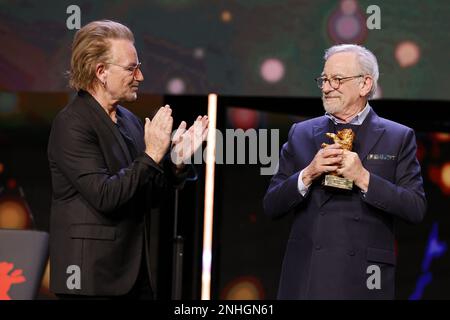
(123, 50)
(341, 63)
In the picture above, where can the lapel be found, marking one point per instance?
(103, 117)
(135, 136)
(323, 126)
(369, 133)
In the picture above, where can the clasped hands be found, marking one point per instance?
(333, 158)
(184, 142)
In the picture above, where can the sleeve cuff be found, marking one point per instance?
(300, 185)
(145, 158)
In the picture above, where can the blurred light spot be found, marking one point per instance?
(347, 27)
(2, 167)
(226, 16)
(407, 54)
(347, 23)
(420, 153)
(441, 136)
(13, 215)
(176, 86)
(244, 288)
(272, 70)
(348, 6)
(199, 53)
(445, 175)
(11, 184)
(244, 119)
(45, 284)
(434, 174)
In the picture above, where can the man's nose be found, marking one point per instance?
(326, 87)
(139, 76)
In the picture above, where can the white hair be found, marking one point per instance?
(366, 59)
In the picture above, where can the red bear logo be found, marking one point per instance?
(7, 280)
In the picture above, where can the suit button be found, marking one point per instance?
(318, 247)
(322, 213)
(351, 253)
(356, 218)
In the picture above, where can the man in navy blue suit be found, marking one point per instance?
(341, 244)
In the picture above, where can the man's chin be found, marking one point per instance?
(130, 97)
(331, 107)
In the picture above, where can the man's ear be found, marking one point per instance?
(100, 72)
(366, 86)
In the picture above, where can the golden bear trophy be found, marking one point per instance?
(345, 138)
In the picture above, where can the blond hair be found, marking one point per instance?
(90, 46)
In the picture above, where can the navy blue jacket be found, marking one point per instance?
(336, 236)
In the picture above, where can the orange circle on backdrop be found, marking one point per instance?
(442, 136)
(244, 288)
(13, 215)
(226, 16)
(445, 175)
(407, 54)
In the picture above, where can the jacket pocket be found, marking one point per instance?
(92, 231)
(381, 255)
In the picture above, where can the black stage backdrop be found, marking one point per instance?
(248, 247)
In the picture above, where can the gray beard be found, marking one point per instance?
(330, 109)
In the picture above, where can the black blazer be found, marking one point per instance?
(101, 198)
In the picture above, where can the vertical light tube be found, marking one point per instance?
(209, 198)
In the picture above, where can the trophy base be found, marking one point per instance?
(337, 182)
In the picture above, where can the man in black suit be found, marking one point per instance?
(107, 170)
